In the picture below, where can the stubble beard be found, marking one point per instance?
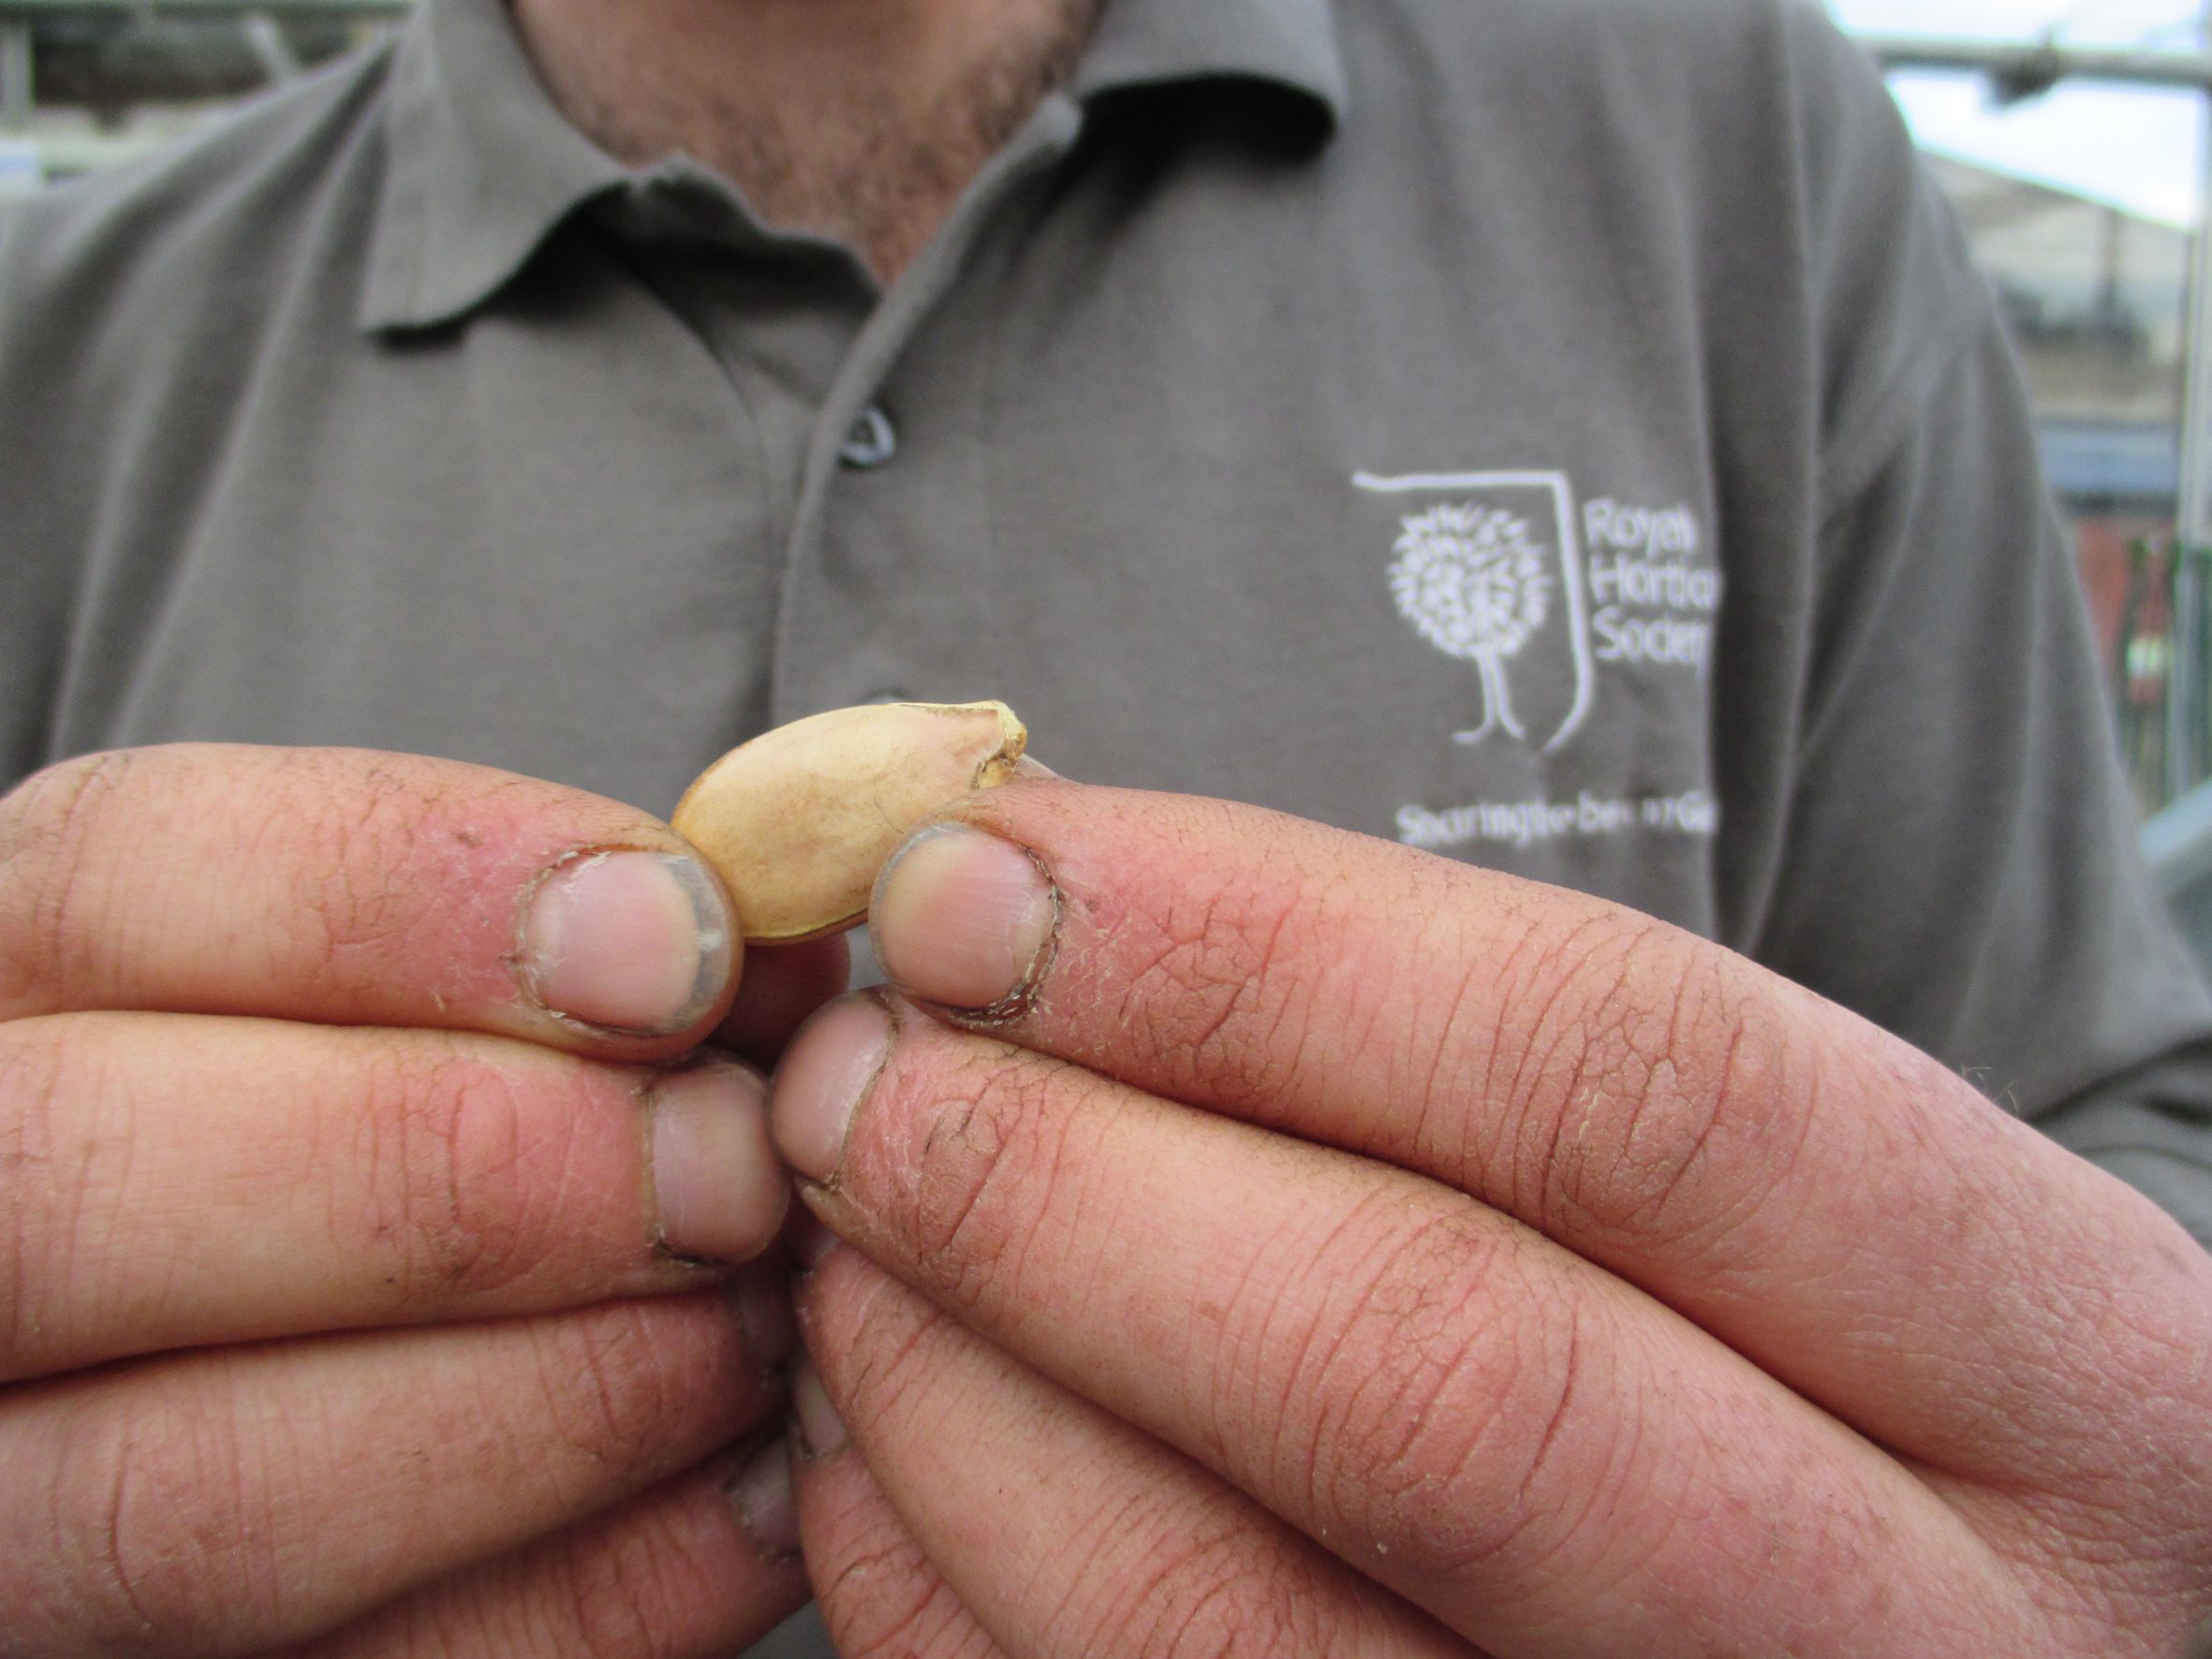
(864, 157)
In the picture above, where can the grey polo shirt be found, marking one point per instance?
(1562, 435)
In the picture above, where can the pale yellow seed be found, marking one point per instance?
(799, 821)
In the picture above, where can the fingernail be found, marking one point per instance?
(637, 942)
(825, 1072)
(761, 1492)
(764, 1308)
(962, 918)
(719, 1190)
(821, 1430)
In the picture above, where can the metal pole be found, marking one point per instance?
(2023, 71)
(278, 61)
(2192, 511)
(16, 89)
(14, 10)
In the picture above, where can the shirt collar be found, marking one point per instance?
(483, 167)
(1291, 44)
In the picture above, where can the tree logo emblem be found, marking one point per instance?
(1478, 586)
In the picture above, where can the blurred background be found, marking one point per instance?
(2071, 134)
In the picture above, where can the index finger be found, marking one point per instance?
(1831, 1203)
(348, 886)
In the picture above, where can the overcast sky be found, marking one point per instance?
(2136, 148)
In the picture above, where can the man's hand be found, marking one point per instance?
(1313, 1247)
(364, 1267)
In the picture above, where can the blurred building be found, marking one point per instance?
(87, 83)
(2097, 298)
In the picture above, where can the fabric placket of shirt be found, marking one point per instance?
(776, 312)
(1043, 141)
(783, 360)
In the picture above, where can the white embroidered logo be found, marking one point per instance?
(1472, 580)
(1553, 600)
(1490, 572)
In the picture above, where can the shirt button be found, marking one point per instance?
(870, 441)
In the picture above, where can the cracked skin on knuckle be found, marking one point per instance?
(48, 824)
(884, 1357)
(981, 1158)
(164, 1530)
(926, 1622)
(615, 1387)
(1642, 1056)
(367, 868)
(1219, 988)
(1431, 1416)
(1237, 1594)
(451, 1139)
(39, 1236)
(625, 1595)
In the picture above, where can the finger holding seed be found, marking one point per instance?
(798, 820)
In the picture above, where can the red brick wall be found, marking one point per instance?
(2102, 548)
